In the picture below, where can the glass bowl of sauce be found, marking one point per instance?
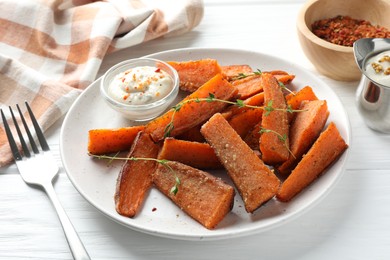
(140, 89)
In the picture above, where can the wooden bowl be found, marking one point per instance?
(332, 60)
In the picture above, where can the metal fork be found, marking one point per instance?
(40, 169)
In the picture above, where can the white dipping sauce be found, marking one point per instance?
(140, 85)
(378, 68)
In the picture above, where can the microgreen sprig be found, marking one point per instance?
(175, 187)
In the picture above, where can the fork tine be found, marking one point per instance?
(25, 149)
(38, 130)
(11, 140)
(32, 142)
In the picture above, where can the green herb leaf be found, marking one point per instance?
(264, 130)
(281, 84)
(174, 190)
(210, 98)
(168, 129)
(177, 107)
(241, 76)
(290, 109)
(269, 108)
(257, 72)
(240, 103)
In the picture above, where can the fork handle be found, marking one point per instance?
(76, 246)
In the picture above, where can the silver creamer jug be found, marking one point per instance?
(373, 93)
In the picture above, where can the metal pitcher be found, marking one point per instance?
(373, 97)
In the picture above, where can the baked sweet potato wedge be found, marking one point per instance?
(204, 197)
(253, 136)
(305, 129)
(305, 93)
(248, 86)
(192, 113)
(274, 150)
(193, 134)
(255, 100)
(233, 71)
(282, 76)
(104, 141)
(327, 148)
(135, 177)
(294, 100)
(194, 154)
(243, 122)
(255, 182)
(193, 74)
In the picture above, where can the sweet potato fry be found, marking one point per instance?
(253, 136)
(329, 146)
(255, 182)
(202, 196)
(295, 100)
(193, 113)
(193, 134)
(305, 129)
(135, 177)
(243, 122)
(194, 154)
(282, 76)
(273, 148)
(248, 86)
(104, 141)
(232, 71)
(194, 74)
(255, 100)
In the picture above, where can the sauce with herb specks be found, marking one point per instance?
(378, 68)
(140, 85)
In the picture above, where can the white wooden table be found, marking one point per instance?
(352, 222)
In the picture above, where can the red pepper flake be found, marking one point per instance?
(158, 70)
(344, 30)
(154, 209)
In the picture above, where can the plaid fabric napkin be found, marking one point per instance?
(50, 50)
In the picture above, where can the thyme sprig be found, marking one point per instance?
(243, 75)
(283, 87)
(175, 187)
(268, 108)
(282, 138)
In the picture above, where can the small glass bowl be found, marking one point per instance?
(142, 112)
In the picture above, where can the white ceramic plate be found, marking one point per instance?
(95, 180)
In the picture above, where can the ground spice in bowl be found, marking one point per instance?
(344, 30)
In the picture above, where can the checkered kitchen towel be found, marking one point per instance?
(50, 50)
